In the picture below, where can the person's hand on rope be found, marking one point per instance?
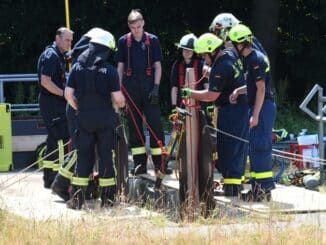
(206, 71)
(186, 92)
(154, 97)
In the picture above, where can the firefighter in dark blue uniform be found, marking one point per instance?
(139, 66)
(51, 70)
(61, 184)
(262, 111)
(186, 59)
(78, 48)
(226, 75)
(220, 26)
(92, 87)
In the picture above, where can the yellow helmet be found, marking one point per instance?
(207, 43)
(240, 33)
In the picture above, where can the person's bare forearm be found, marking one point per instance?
(50, 86)
(174, 93)
(120, 69)
(158, 73)
(204, 95)
(70, 97)
(260, 96)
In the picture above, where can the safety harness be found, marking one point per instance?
(181, 72)
(147, 44)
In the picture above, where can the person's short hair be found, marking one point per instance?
(134, 15)
(61, 30)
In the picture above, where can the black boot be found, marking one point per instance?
(260, 194)
(92, 190)
(108, 196)
(60, 187)
(231, 190)
(77, 198)
(48, 177)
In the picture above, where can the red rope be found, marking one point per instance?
(140, 135)
(199, 80)
(159, 142)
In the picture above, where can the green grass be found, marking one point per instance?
(153, 230)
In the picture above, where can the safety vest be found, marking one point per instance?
(147, 44)
(181, 72)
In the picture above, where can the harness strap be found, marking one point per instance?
(147, 43)
(181, 72)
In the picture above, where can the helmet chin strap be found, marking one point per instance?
(212, 57)
(239, 50)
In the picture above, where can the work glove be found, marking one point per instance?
(185, 92)
(210, 110)
(154, 97)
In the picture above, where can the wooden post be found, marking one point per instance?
(121, 157)
(207, 145)
(192, 140)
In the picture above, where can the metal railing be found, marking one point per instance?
(320, 118)
(14, 78)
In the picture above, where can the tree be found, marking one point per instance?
(265, 16)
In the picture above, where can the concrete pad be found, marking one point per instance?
(285, 199)
(28, 198)
(23, 194)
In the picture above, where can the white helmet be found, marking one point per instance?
(94, 32)
(224, 20)
(104, 38)
(187, 42)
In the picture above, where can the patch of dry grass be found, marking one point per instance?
(152, 230)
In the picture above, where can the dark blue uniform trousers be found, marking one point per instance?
(232, 119)
(260, 146)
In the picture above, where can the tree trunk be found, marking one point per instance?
(265, 18)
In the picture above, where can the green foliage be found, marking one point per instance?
(293, 120)
(20, 94)
(289, 115)
(33, 94)
(302, 45)
(26, 27)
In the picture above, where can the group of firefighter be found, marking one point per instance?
(233, 73)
